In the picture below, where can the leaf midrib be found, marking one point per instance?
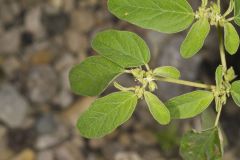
(106, 114)
(155, 9)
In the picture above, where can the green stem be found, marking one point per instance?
(221, 48)
(186, 83)
(218, 117)
(219, 3)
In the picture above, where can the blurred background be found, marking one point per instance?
(40, 40)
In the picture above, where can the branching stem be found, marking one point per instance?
(224, 64)
(221, 48)
(186, 83)
(218, 117)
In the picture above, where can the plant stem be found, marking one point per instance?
(221, 48)
(219, 3)
(186, 83)
(218, 117)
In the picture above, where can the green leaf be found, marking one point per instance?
(124, 48)
(158, 110)
(219, 77)
(235, 92)
(190, 104)
(237, 12)
(230, 74)
(168, 16)
(167, 72)
(231, 38)
(208, 118)
(195, 38)
(205, 145)
(93, 75)
(106, 114)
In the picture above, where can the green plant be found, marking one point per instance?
(124, 52)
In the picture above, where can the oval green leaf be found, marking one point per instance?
(126, 49)
(189, 105)
(237, 12)
(158, 110)
(195, 38)
(93, 75)
(205, 145)
(231, 38)
(230, 74)
(235, 92)
(167, 72)
(106, 114)
(168, 16)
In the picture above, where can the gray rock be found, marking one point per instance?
(46, 124)
(10, 41)
(150, 154)
(3, 132)
(88, 3)
(45, 155)
(63, 66)
(42, 84)
(127, 156)
(13, 106)
(8, 11)
(33, 22)
(110, 149)
(62, 153)
(82, 20)
(77, 43)
(45, 141)
(10, 66)
(55, 23)
(63, 99)
(189, 68)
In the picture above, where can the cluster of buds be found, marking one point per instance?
(145, 81)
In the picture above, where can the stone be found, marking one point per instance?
(77, 43)
(27, 154)
(111, 149)
(150, 154)
(10, 66)
(45, 155)
(88, 3)
(68, 6)
(3, 132)
(10, 41)
(170, 56)
(63, 153)
(21, 138)
(127, 156)
(125, 139)
(13, 106)
(9, 11)
(60, 135)
(40, 57)
(145, 137)
(82, 20)
(63, 99)
(46, 124)
(71, 115)
(63, 65)
(156, 41)
(96, 143)
(55, 23)
(42, 84)
(33, 22)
